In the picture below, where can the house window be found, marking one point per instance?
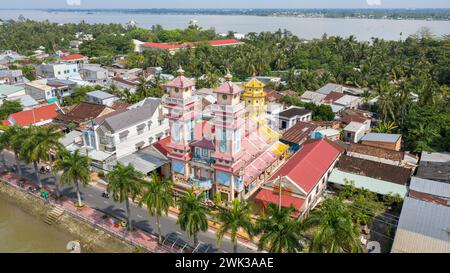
(140, 131)
(224, 97)
(205, 152)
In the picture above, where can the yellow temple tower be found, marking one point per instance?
(255, 97)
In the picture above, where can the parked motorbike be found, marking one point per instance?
(44, 170)
(105, 194)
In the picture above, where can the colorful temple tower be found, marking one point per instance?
(180, 103)
(255, 102)
(229, 132)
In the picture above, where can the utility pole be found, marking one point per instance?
(279, 191)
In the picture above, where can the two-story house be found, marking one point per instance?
(126, 131)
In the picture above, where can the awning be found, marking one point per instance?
(52, 100)
(145, 160)
(270, 196)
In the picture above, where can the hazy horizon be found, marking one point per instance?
(228, 4)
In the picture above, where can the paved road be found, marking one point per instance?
(92, 197)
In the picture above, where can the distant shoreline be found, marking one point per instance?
(375, 14)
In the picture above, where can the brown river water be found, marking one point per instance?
(21, 232)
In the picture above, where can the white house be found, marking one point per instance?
(125, 132)
(58, 71)
(354, 131)
(290, 116)
(41, 90)
(94, 74)
(101, 97)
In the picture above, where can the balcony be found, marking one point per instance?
(228, 108)
(204, 159)
(204, 184)
(178, 101)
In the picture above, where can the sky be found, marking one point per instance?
(133, 4)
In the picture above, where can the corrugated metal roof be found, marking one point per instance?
(422, 227)
(371, 184)
(430, 187)
(435, 157)
(381, 137)
(354, 126)
(144, 161)
(328, 88)
(100, 94)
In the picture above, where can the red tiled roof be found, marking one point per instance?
(35, 115)
(161, 146)
(73, 57)
(272, 95)
(356, 118)
(224, 42)
(271, 196)
(298, 132)
(122, 80)
(308, 165)
(333, 96)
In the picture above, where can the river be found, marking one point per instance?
(307, 28)
(21, 232)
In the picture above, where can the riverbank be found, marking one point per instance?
(91, 238)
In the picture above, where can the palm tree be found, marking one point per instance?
(279, 231)
(158, 198)
(74, 168)
(385, 127)
(334, 230)
(13, 138)
(38, 145)
(232, 220)
(193, 215)
(124, 181)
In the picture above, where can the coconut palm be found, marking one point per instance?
(13, 138)
(385, 127)
(158, 198)
(38, 145)
(74, 168)
(193, 215)
(279, 231)
(123, 182)
(234, 219)
(334, 230)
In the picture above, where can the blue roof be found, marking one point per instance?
(381, 137)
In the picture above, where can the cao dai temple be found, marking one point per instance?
(234, 152)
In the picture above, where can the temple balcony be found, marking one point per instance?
(230, 109)
(204, 159)
(201, 183)
(178, 101)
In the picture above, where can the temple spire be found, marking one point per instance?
(228, 77)
(180, 71)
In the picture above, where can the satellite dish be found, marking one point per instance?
(373, 247)
(74, 247)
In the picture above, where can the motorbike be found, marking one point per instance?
(105, 194)
(44, 170)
